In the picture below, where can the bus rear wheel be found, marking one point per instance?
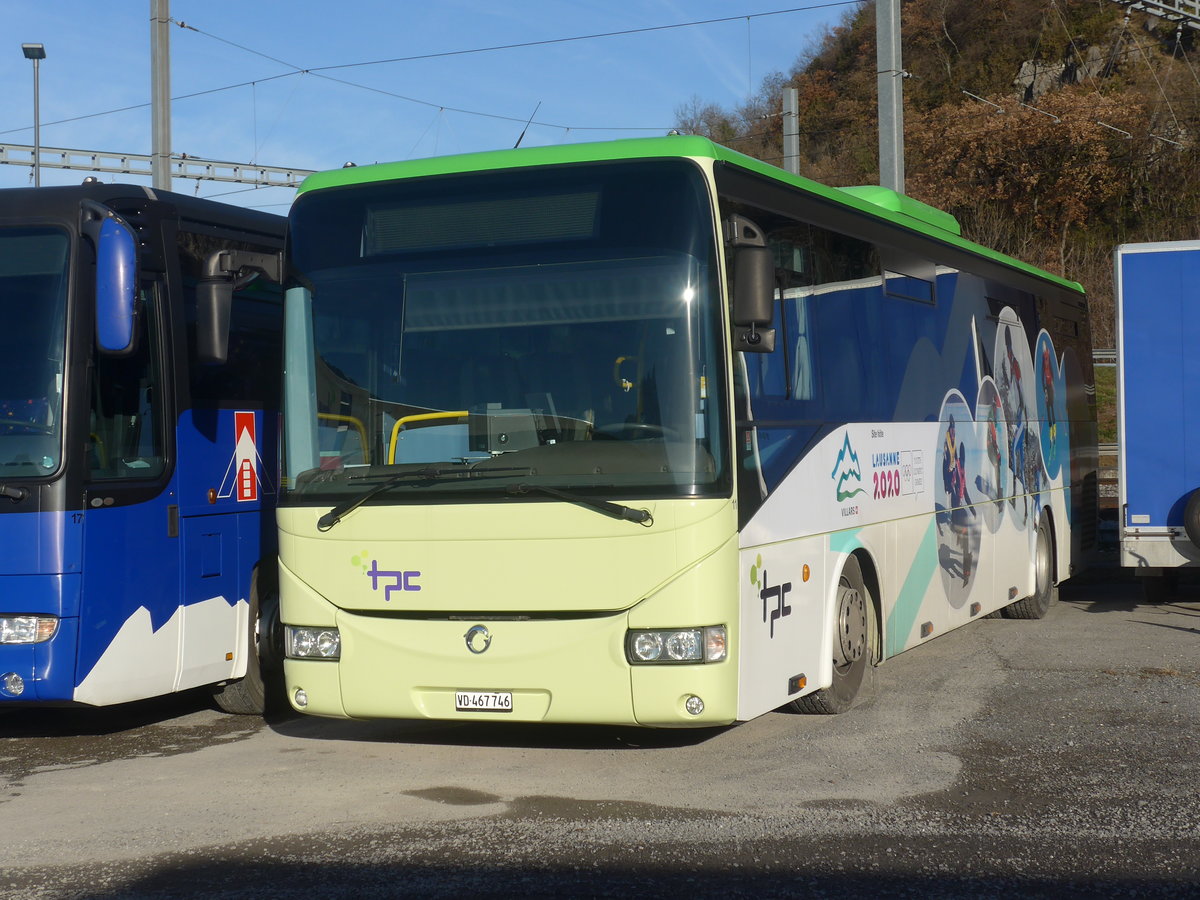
(854, 647)
(1045, 591)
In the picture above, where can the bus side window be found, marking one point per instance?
(125, 439)
(830, 339)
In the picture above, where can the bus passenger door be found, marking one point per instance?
(215, 611)
(225, 438)
(220, 492)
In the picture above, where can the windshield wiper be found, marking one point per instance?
(429, 473)
(616, 510)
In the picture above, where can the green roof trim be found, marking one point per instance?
(906, 206)
(879, 202)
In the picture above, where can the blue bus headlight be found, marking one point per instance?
(305, 642)
(676, 645)
(27, 629)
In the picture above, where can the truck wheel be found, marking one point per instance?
(1160, 588)
(248, 696)
(1045, 591)
(1191, 518)
(854, 646)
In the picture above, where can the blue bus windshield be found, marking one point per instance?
(33, 303)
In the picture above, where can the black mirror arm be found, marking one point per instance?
(92, 216)
(240, 266)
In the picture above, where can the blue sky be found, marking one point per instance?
(98, 59)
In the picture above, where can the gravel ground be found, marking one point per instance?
(1039, 759)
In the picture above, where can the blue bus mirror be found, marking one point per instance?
(116, 288)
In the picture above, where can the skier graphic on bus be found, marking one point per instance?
(992, 434)
(957, 516)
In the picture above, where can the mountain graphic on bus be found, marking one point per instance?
(847, 470)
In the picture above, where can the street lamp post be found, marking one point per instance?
(37, 53)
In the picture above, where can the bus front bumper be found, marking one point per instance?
(42, 672)
(566, 670)
(37, 664)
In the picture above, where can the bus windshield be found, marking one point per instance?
(558, 327)
(33, 302)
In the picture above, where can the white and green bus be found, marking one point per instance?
(652, 433)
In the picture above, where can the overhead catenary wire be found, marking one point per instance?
(320, 70)
(598, 35)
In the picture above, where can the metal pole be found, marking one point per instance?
(791, 130)
(37, 128)
(890, 81)
(160, 77)
(36, 52)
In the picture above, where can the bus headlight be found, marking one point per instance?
(305, 642)
(676, 645)
(27, 629)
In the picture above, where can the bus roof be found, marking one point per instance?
(880, 202)
(63, 200)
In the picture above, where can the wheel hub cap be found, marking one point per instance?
(852, 625)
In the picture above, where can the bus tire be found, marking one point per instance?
(1045, 591)
(1191, 518)
(249, 695)
(854, 647)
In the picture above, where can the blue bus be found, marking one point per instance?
(138, 446)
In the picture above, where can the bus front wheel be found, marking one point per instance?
(250, 695)
(854, 646)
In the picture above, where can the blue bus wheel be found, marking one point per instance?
(248, 696)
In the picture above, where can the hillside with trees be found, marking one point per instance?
(1052, 129)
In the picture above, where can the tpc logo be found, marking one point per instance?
(402, 580)
(774, 598)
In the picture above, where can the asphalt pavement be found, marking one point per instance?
(1057, 758)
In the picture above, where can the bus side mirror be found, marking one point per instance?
(753, 289)
(116, 287)
(226, 271)
(214, 298)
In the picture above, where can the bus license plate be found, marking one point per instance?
(483, 701)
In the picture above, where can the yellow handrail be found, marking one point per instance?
(358, 426)
(419, 417)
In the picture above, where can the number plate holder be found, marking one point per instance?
(483, 701)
